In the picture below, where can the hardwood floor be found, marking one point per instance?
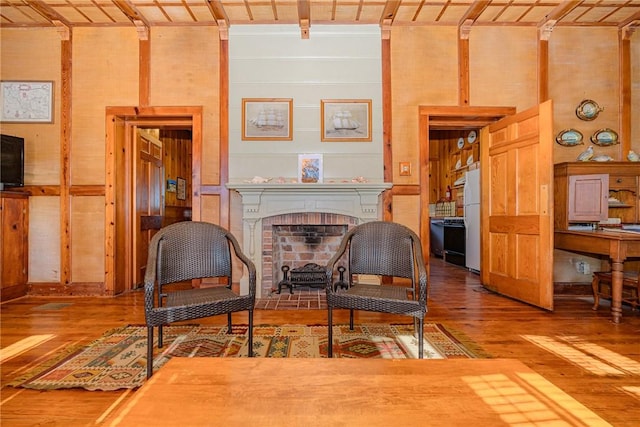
(569, 347)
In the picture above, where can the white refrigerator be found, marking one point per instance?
(472, 219)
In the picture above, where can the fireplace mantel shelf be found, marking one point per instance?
(266, 199)
(289, 187)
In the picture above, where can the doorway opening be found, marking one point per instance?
(148, 151)
(439, 120)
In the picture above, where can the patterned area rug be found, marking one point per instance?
(118, 359)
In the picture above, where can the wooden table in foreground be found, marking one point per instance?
(617, 245)
(349, 392)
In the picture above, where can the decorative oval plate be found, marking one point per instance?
(458, 164)
(605, 137)
(588, 110)
(469, 159)
(472, 137)
(569, 138)
(460, 142)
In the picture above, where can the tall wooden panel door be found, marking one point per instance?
(517, 206)
(148, 200)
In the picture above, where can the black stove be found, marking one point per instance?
(454, 240)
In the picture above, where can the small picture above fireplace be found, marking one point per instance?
(310, 168)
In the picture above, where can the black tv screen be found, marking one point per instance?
(11, 161)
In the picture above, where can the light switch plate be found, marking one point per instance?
(405, 168)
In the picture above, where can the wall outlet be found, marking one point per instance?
(583, 267)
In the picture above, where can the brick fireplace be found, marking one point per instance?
(297, 239)
(267, 205)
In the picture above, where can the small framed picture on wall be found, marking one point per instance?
(345, 120)
(181, 189)
(309, 168)
(26, 101)
(267, 119)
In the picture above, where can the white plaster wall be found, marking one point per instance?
(336, 62)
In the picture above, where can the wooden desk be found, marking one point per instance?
(618, 246)
(348, 392)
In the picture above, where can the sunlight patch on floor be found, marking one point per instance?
(626, 364)
(23, 345)
(598, 366)
(531, 400)
(632, 390)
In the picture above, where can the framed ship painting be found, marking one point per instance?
(267, 119)
(345, 120)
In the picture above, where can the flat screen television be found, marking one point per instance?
(11, 161)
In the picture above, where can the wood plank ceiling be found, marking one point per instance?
(306, 13)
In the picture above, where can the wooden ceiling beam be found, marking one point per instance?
(389, 12)
(304, 17)
(471, 15)
(474, 11)
(630, 28)
(129, 10)
(48, 13)
(217, 11)
(548, 23)
(559, 12)
(630, 20)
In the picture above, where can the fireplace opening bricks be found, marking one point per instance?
(301, 250)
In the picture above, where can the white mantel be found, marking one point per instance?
(359, 200)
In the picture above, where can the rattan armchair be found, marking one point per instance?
(192, 250)
(381, 249)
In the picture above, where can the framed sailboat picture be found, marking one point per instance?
(345, 119)
(267, 119)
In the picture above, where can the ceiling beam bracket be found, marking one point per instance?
(223, 29)
(142, 29)
(304, 28)
(465, 29)
(546, 29)
(629, 29)
(386, 28)
(63, 30)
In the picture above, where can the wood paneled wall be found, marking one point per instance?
(65, 169)
(176, 149)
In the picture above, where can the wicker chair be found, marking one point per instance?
(192, 250)
(382, 249)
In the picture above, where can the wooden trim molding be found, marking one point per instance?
(443, 117)
(114, 213)
(624, 49)
(75, 289)
(144, 72)
(65, 159)
(387, 122)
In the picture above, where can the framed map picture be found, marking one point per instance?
(26, 101)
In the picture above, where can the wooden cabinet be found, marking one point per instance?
(14, 225)
(623, 197)
(592, 192)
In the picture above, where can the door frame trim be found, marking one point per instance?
(118, 166)
(444, 118)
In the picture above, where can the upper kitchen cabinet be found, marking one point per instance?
(594, 192)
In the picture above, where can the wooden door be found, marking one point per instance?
(517, 210)
(148, 200)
